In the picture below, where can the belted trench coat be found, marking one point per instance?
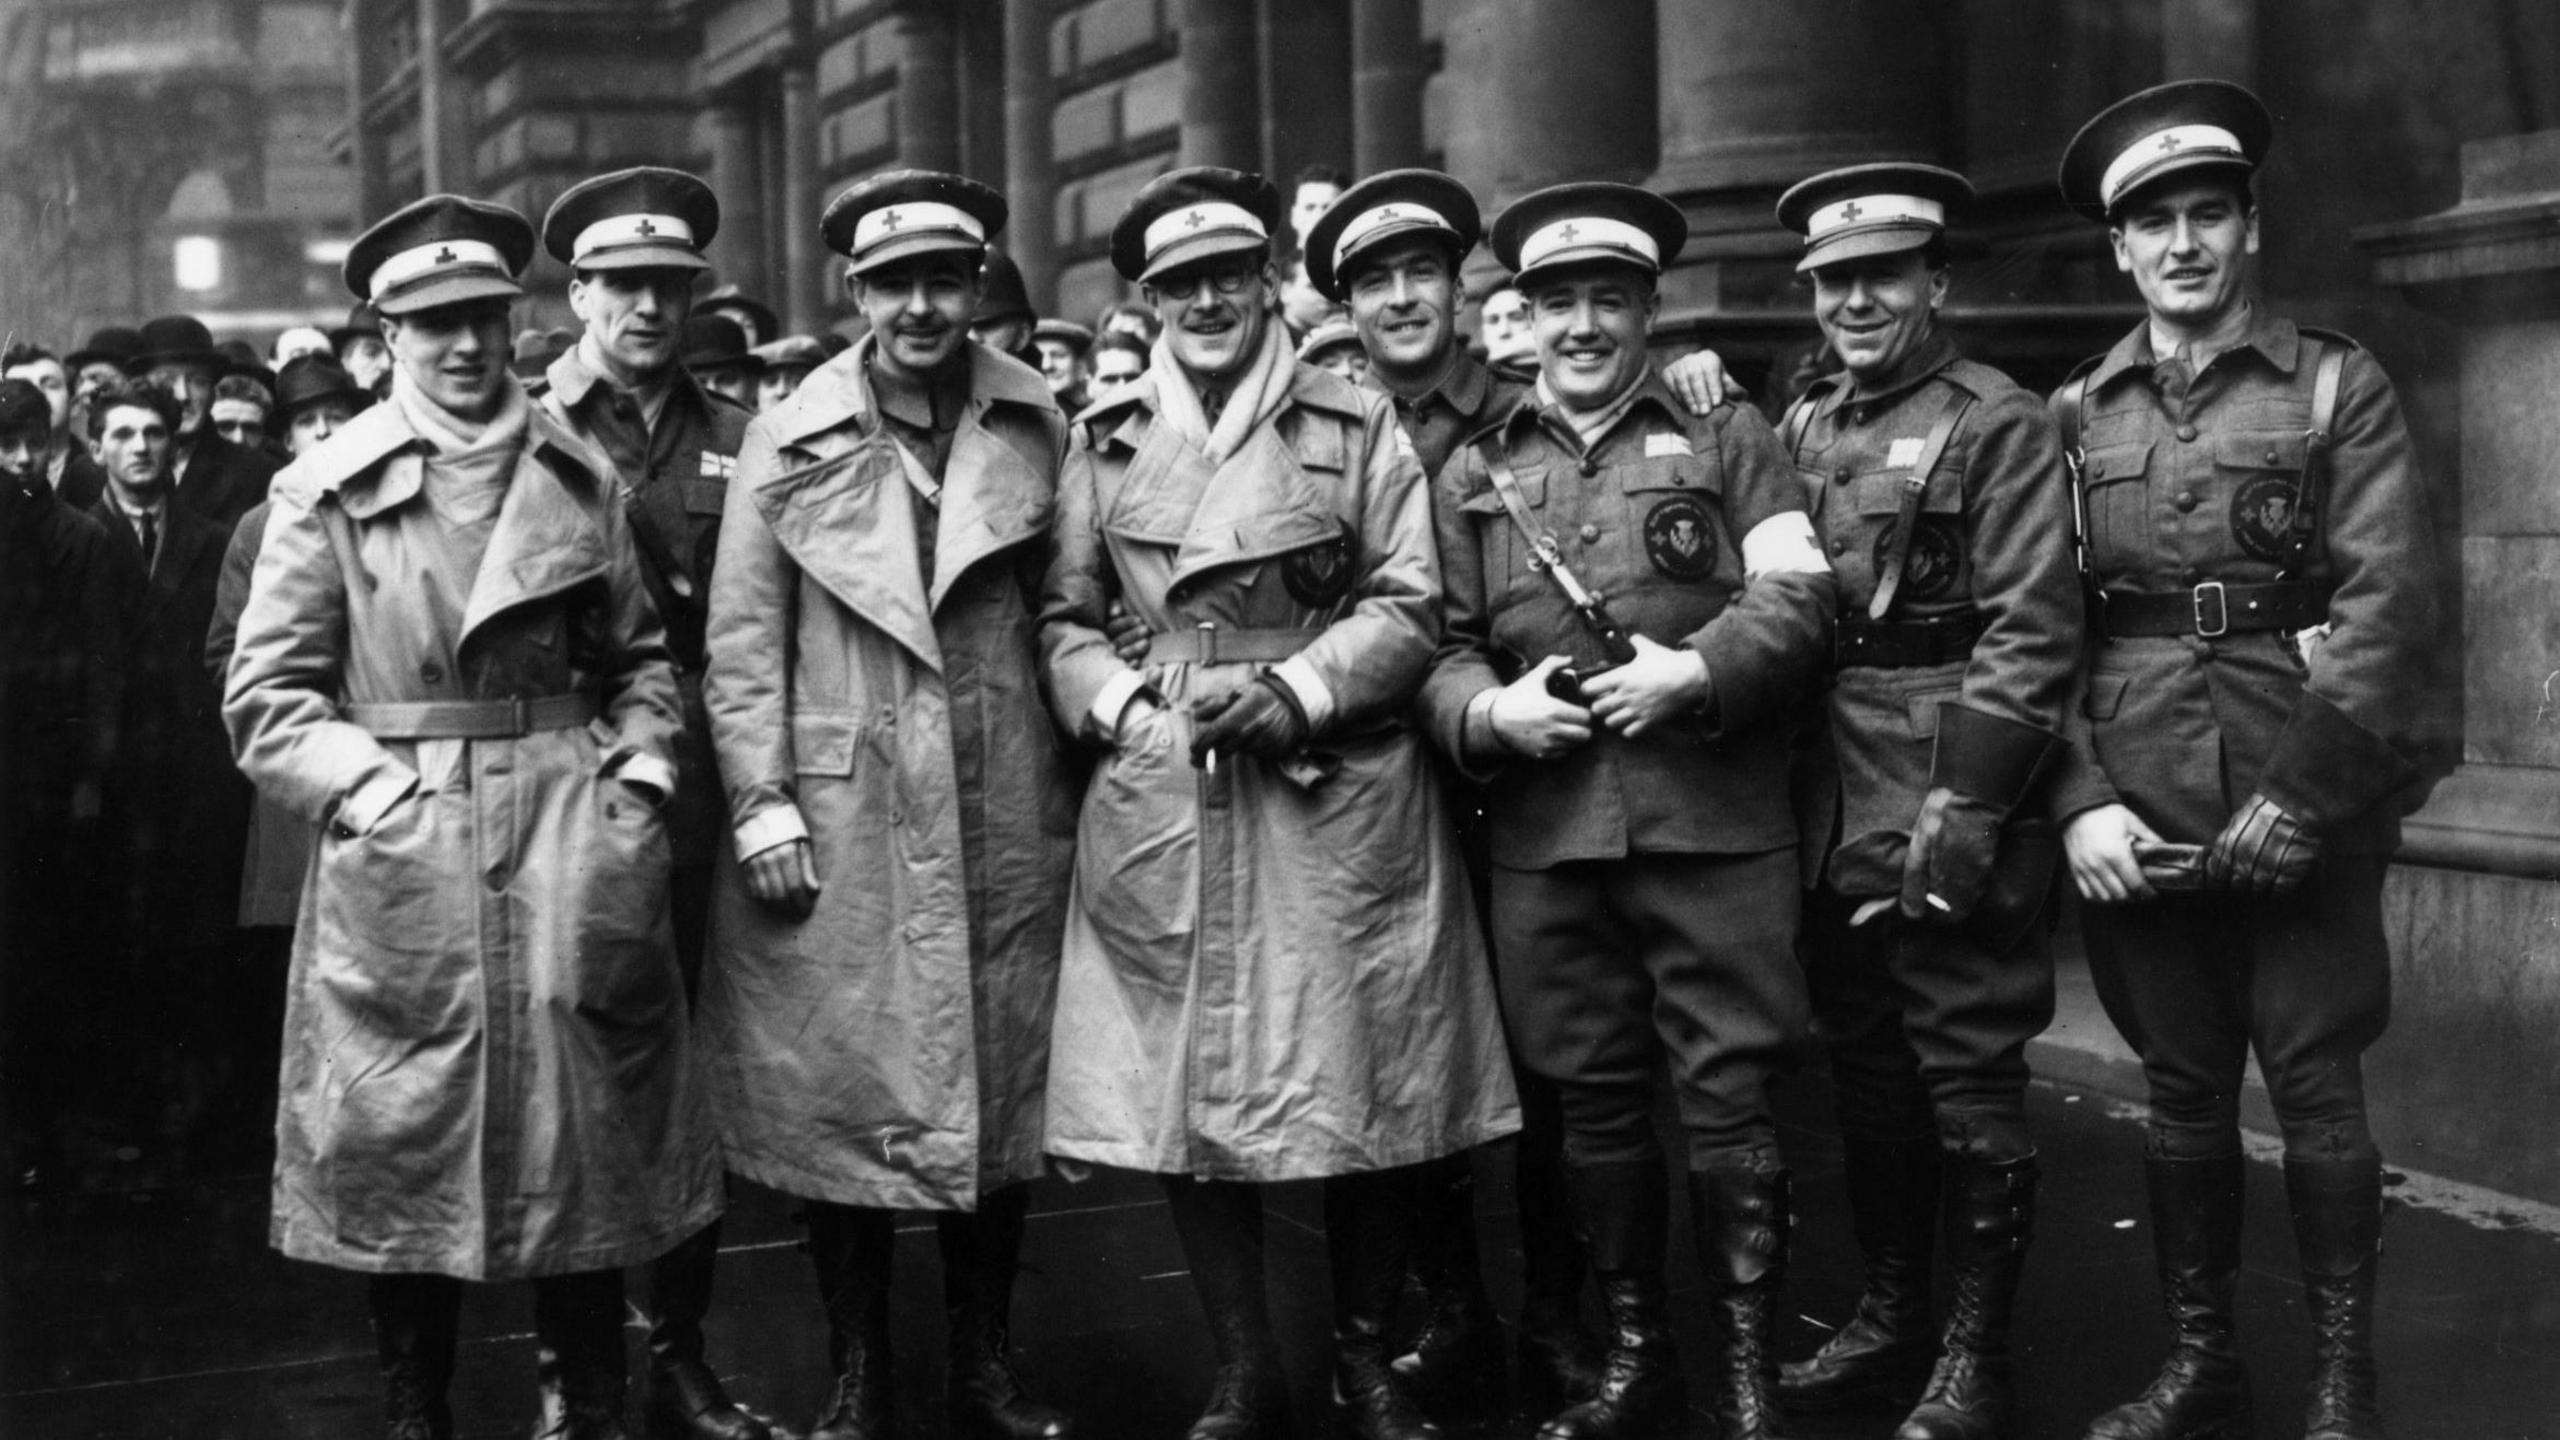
(1267, 976)
(892, 1049)
(486, 1069)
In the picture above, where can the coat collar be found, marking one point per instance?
(839, 392)
(350, 464)
(2275, 339)
(1461, 392)
(1935, 354)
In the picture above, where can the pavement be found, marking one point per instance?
(159, 1311)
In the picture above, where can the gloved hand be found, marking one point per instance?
(2263, 849)
(1261, 719)
(1952, 847)
(1127, 633)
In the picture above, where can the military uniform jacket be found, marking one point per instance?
(1439, 421)
(1654, 517)
(675, 478)
(2185, 486)
(1991, 547)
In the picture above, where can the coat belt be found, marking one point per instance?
(1210, 645)
(1903, 644)
(473, 719)
(2212, 609)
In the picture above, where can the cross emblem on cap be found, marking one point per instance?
(1568, 232)
(2169, 143)
(1850, 211)
(1194, 220)
(445, 256)
(889, 220)
(647, 229)
(1387, 212)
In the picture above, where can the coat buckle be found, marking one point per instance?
(2209, 602)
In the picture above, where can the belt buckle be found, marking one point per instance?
(2221, 623)
(520, 715)
(1207, 630)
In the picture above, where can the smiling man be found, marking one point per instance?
(1272, 969)
(1642, 845)
(633, 242)
(1938, 488)
(449, 665)
(2265, 563)
(877, 1008)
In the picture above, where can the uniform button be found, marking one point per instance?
(2271, 455)
(1590, 533)
(1590, 467)
(2186, 432)
(2186, 500)
(1839, 547)
(496, 879)
(432, 673)
(1840, 476)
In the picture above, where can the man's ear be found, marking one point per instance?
(2115, 241)
(1939, 279)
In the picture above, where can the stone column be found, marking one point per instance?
(1567, 92)
(1306, 86)
(928, 89)
(1386, 85)
(738, 179)
(1758, 96)
(1031, 168)
(805, 271)
(1221, 96)
(444, 114)
(364, 75)
(2474, 898)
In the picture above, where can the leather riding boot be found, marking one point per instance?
(2337, 1225)
(2202, 1390)
(577, 1329)
(1625, 1210)
(1742, 1214)
(1883, 1352)
(851, 1247)
(1990, 1218)
(981, 1253)
(1559, 1358)
(414, 1318)
(1455, 1361)
(1220, 1224)
(686, 1400)
(1368, 1226)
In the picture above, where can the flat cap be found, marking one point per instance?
(714, 342)
(174, 340)
(441, 250)
(24, 408)
(1078, 338)
(1192, 214)
(112, 344)
(646, 217)
(1586, 221)
(2159, 132)
(1390, 205)
(1862, 210)
(791, 352)
(1325, 337)
(911, 212)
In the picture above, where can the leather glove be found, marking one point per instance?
(2263, 849)
(1261, 719)
(1127, 633)
(1949, 863)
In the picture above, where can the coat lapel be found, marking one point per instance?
(1259, 504)
(547, 539)
(993, 496)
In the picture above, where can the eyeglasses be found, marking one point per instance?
(1226, 279)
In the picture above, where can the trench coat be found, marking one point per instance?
(1265, 977)
(486, 1067)
(892, 1049)
(279, 847)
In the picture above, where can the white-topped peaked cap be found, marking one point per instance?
(1390, 205)
(646, 217)
(1592, 220)
(1192, 214)
(2162, 131)
(439, 250)
(1862, 210)
(911, 212)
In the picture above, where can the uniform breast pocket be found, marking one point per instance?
(2117, 503)
(2260, 477)
(823, 743)
(1674, 511)
(1503, 554)
(1934, 565)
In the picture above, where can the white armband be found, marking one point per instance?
(1783, 544)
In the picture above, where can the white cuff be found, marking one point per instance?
(649, 770)
(365, 806)
(767, 828)
(1475, 728)
(1783, 544)
(1314, 696)
(1116, 694)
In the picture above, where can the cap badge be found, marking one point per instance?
(646, 228)
(1850, 211)
(889, 220)
(1194, 220)
(1567, 233)
(446, 256)
(2170, 142)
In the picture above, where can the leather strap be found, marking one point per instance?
(2073, 399)
(1546, 557)
(1210, 645)
(2212, 609)
(1907, 519)
(2310, 488)
(473, 719)
(1903, 644)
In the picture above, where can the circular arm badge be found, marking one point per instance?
(1680, 538)
(1319, 575)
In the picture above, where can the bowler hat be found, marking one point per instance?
(174, 340)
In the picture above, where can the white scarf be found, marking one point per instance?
(1257, 396)
(469, 463)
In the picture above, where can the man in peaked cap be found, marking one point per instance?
(2260, 542)
(633, 241)
(1268, 525)
(878, 1004)
(1937, 486)
(216, 478)
(1642, 845)
(449, 663)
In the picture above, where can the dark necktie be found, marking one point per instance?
(150, 540)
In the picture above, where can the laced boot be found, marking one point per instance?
(577, 1328)
(1625, 1209)
(2202, 1391)
(981, 1253)
(1455, 1361)
(1559, 1359)
(851, 1246)
(1973, 1390)
(414, 1319)
(1742, 1216)
(1368, 1225)
(2337, 1225)
(1882, 1353)
(686, 1400)
(1220, 1223)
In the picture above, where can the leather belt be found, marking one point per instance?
(473, 719)
(1903, 644)
(1209, 645)
(2213, 608)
